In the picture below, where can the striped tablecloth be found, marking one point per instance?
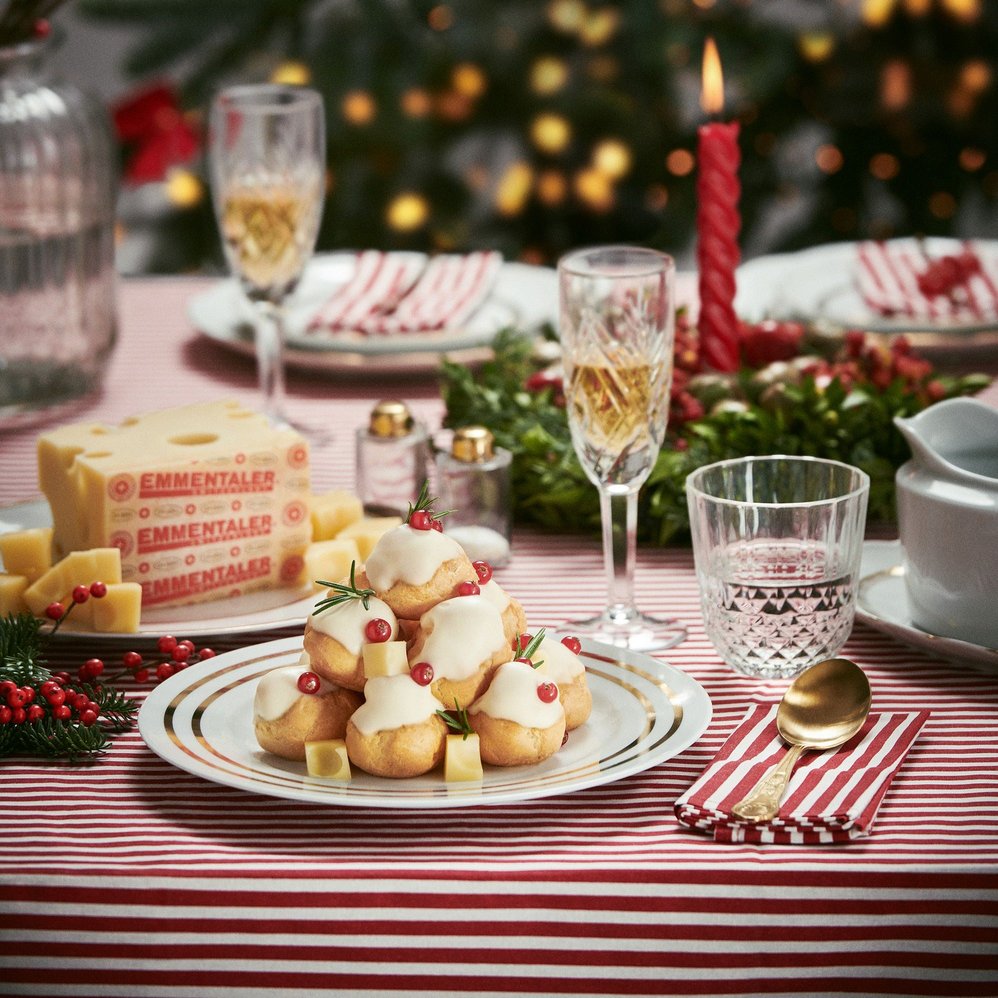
(128, 877)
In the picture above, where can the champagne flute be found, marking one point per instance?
(617, 326)
(267, 151)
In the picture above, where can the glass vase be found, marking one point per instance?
(58, 315)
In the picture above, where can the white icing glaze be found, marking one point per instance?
(512, 696)
(346, 621)
(495, 594)
(277, 692)
(407, 555)
(557, 661)
(463, 632)
(393, 701)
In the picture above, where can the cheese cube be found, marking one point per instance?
(204, 501)
(332, 511)
(27, 552)
(77, 568)
(330, 560)
(12, 594)
(119, 611)
(367, 531)
(385, 658)
(328, 759)
(47, 589)
(462, 759)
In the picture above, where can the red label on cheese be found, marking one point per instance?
(205, 580)
(159, 484)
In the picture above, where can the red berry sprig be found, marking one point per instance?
(421, 515)
(527, 645)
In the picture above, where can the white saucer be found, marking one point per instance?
(882, 602)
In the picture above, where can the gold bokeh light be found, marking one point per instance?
(407, 212)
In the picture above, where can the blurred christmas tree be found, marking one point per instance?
(535, 126)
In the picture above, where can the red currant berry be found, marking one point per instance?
(28, 692)
(62, 712)
(422, 673)
(164, 670)
(378, 630)
(573, 644)
(77, 700)
(90, 670)
(524, 660)
(419, 519)
(16, 697)
(131, 660)
(62, 678)
(186, 643)
(142, 676)
(35, 712)
(56, 696)
(41, 28)
(520, 643)
(181, 653)
(468, 589)
(5, 715)
(309, 682)
(87, 718)
(437, 525)
(81, 594)
(98, 590)
(17, 715)
(547, 692)
(54, 611)
(484, 570)
(206, 653)
(6, 685)
(166, 643)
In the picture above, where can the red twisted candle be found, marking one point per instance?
(718, 223)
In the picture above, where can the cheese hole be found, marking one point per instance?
(194, 439)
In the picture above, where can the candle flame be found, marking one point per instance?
(712, 92)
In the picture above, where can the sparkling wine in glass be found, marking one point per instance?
(267, 151)
(617, 326)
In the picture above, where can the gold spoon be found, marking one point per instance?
(822, 708)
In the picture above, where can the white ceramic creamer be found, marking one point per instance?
(947, 498)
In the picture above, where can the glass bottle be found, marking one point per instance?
(58, 180)
(391, 459)
(474, 482)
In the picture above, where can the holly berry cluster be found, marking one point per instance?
(943, 276)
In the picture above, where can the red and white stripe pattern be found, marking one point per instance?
(127, 878)
(832, 796)
(390, 294)
(887, 278)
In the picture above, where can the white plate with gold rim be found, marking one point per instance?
(644, 712)
(258, 612)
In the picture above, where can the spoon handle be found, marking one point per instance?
(763, 801)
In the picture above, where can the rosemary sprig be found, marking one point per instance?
(532, 646)
(424, 503)
(343, 592)
(457, 720)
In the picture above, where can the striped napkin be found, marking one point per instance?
(832, 796)
(392, 293)
(896, 279)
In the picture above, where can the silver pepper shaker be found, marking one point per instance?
(391, 459)
(474, 481)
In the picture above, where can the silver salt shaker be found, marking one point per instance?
(391, 459)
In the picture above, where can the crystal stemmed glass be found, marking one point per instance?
(617, 326)
(267, 151)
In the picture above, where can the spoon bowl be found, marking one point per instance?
(823, 708)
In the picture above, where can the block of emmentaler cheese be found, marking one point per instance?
(203, 501)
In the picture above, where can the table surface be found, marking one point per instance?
(130, 877)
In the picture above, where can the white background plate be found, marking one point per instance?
(524, 296)
(818, 283)
(882, 602)
(267, 610)
(644, 712)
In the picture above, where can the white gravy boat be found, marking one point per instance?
(947, 498)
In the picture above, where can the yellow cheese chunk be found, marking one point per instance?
(204, 501)
(120, 610)
(332, 512)
(27, 552)
(462, 759)
(330, 560)
(78, 568)
(12, 594)
(385, 658)
(328, 759)
(367, 532)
